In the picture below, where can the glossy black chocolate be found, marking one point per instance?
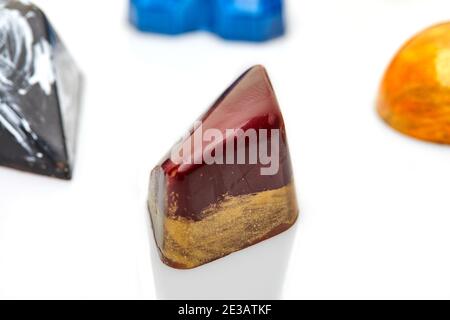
(40, 90)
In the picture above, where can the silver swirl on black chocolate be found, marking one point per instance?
(23, 64)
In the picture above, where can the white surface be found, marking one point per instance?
(375, 204)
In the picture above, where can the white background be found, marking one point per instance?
(375, 205)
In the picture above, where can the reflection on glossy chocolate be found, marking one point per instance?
(202, 212)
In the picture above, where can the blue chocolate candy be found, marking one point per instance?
(246, 20)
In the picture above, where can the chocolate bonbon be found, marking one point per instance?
(228, 184)
(414, 96)
(249, 20)
(40, 91)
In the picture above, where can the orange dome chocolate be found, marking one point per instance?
(414, 96)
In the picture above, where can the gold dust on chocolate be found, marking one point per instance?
(231, 225)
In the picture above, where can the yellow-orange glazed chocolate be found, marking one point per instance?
(414, 96)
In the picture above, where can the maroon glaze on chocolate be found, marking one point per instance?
(249, 103)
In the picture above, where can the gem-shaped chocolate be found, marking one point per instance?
(249, 20)
(415, 93)
(40, 88)
(228, 184)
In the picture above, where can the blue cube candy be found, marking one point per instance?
(247, 20)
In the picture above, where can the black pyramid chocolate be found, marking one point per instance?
(40, 90)
(203, 210)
